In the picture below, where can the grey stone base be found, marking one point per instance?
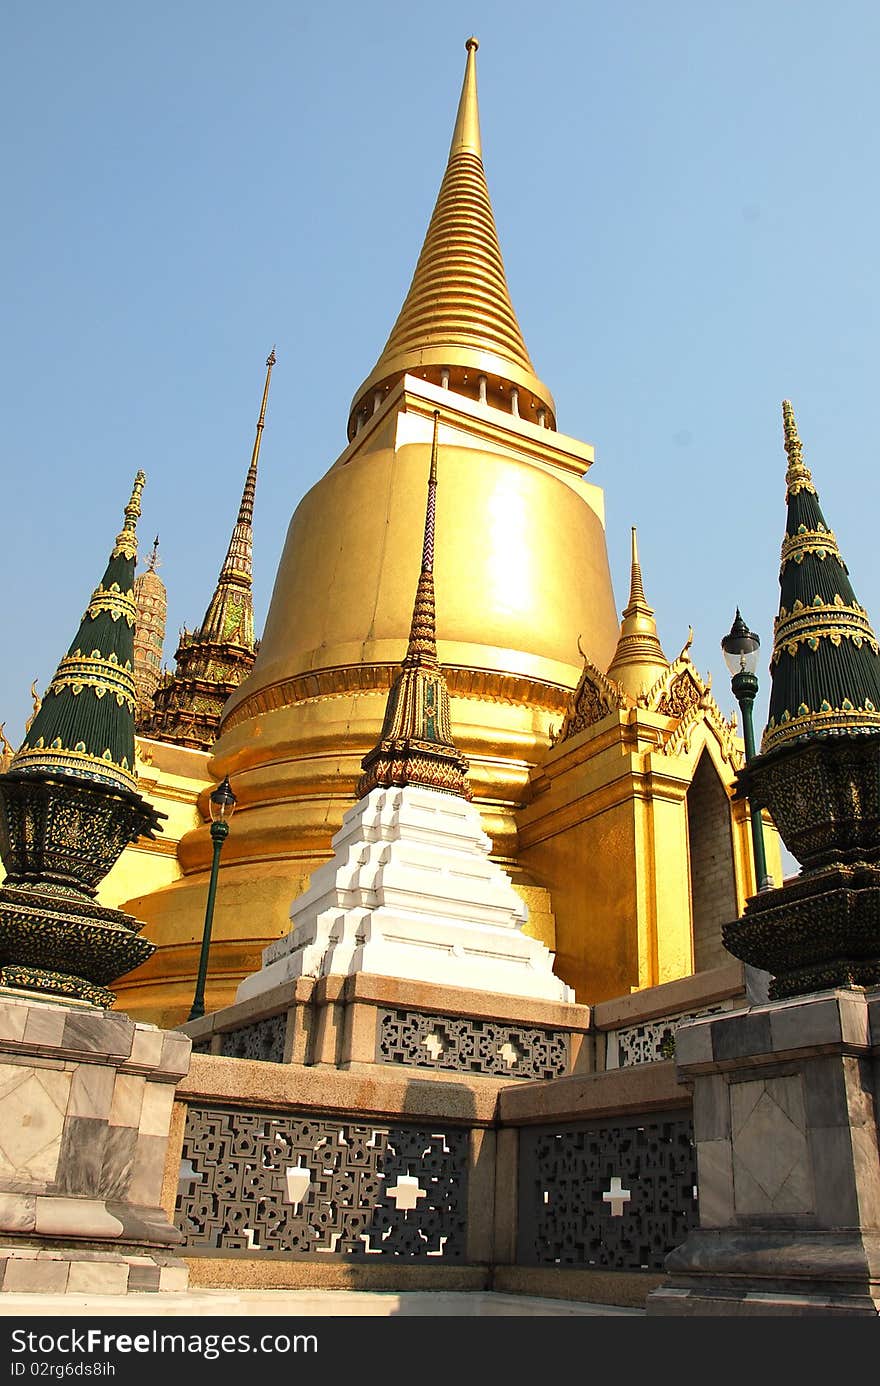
(788, 1168)
(26, 1218)
(764, 1272)
(73, 1270)
(86, 1099)
(692, 1303)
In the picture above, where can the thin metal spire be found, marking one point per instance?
(422, 647)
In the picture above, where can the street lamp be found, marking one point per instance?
(740, 648)
(222, 805)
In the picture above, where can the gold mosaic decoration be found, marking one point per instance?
(820, 542)
(810, 624)
(706, 713)
(59, 758)
(683, 694)
(41, 981)
(117, 604)
(654, 695)
(594, 697)
(825, 718)
(104, 675)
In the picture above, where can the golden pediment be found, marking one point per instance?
(595, 696)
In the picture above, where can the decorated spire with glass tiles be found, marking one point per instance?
(84, 729)
(825, 665)
(415, 744)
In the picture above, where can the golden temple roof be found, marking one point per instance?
(457, 324)
(639, 659)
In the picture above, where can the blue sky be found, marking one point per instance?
(687, 202)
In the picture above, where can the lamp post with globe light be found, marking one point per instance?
(222, 805)
(740, 648)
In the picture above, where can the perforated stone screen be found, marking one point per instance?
(462, 1045)
(651, 1041)
(262, 1039)
(619, 1194)
(270, 1182)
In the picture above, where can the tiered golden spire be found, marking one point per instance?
(415, 744)
(230, 612)
(214, 659)
(457, 326)
(639, 659)
(151, 605)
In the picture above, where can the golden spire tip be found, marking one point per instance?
(133, 509)
(797, 475)
(270, 359)
(636, 589)
(466, 136)
(126, 542)
(472, 44)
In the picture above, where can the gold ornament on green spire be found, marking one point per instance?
(126, 539)
(797, 476)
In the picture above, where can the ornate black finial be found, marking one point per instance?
(415, 745)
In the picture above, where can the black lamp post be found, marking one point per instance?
(222, 805)
(740, 648)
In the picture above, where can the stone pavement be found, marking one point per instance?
(301, 1304)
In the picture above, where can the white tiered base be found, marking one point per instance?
(412, 892)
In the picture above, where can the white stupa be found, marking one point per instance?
(411, 890)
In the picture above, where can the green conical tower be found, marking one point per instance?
(825, 665)
(84, 729)
(819, 766)
(69, 805)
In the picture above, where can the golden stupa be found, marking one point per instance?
(523, 582)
